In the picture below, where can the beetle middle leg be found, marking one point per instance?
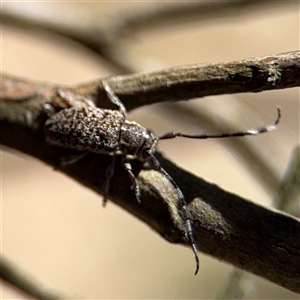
(72, 159)
(110, 170)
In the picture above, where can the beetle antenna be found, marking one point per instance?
(262, 129)
(185, 214)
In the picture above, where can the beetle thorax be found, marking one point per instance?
(137, 141)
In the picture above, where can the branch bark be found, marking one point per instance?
(228, 227)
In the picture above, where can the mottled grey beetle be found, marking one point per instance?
(86, 127)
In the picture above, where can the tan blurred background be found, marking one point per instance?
(58, 231)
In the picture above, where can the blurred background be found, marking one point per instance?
(57, 230)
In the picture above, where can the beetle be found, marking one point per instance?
(85, 127)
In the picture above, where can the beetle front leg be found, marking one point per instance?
(135, 184)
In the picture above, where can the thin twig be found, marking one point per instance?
(25, 283)
(112, 37)
(289, 192)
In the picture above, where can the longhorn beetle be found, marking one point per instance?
(83, 126)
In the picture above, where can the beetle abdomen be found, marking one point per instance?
(86, 128)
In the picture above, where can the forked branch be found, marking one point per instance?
(230, 228)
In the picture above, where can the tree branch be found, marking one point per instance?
(240, 284)
(186, 82)
(228, 227)
(251, 75)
